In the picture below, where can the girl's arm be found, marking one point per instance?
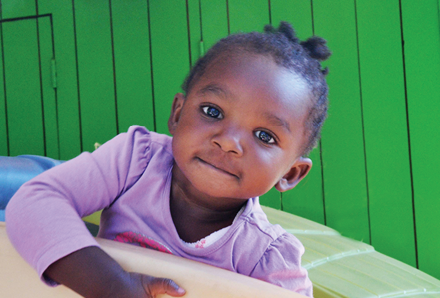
(44, 218)
(92, 273)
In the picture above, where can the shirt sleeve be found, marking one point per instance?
(281, 265)
(43, 218)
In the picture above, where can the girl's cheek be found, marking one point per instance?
(265, 155)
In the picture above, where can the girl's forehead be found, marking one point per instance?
(256, 76)
(255, 68)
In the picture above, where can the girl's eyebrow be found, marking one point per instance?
(277, 121)
(214, 89)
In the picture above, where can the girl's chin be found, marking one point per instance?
(222, 192)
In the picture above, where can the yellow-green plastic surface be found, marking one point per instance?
(342, 267)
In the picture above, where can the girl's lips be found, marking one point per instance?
(216, 167)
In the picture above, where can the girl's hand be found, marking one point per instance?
(92, 273)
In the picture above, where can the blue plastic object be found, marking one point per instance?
(14, 171)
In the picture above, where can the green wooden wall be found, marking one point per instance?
(77, 72)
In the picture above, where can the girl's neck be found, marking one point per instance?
(193, 218)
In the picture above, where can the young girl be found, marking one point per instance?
(253, 107)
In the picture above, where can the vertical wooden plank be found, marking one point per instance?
(95, 72)
(67, 84)
(18, 9)
(194, 30)
(13, 9)
(132, 63)
(23, 94)
(48, 92)
(296, 12)
(306, 199)
(271, 199)
(422, 59)
(248, 15)
(170, 52)
(3, 122)
(385, 128)
(345, 191)
(214, 21)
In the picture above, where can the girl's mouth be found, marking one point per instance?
(217, 167)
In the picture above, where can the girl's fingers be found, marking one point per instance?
(155, 286)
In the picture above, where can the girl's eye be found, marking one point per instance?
(265, 137)
(212, 112)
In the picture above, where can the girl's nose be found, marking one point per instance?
(229, 141)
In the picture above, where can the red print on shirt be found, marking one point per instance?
(141, 240)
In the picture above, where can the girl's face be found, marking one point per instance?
(240, 130)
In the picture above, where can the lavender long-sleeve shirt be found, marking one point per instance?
(130, 178)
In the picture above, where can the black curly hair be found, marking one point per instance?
(302, 57)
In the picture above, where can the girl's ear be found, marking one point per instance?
(179, 98)
(297, 172)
